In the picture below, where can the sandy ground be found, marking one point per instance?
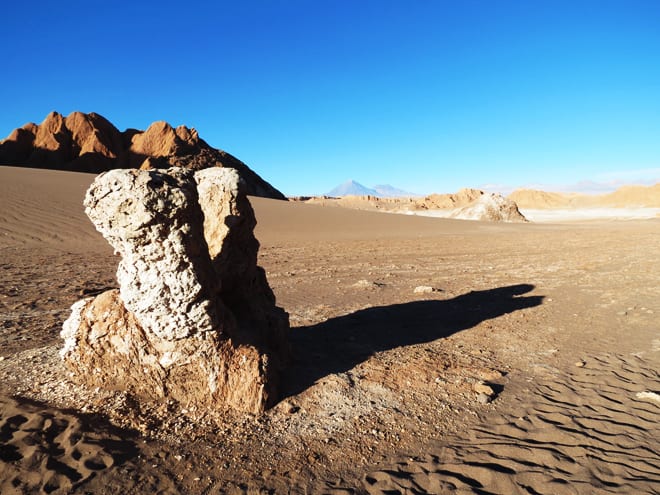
(386, 391)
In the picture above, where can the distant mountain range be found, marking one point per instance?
(353, 188)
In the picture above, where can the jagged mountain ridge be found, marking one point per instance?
(89, 142)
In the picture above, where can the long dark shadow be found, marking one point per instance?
(341, 343)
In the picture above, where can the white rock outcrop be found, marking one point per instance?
(490, 207)
(164, 271)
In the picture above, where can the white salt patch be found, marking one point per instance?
(578, 214)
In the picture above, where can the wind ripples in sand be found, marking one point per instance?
(591, 431)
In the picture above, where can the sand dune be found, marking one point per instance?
(385, 394)
(44, 207)
(624, 197)
(634, 196)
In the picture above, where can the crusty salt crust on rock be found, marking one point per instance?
(190, 323)
(153, 221)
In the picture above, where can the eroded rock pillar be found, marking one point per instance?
(194, 318)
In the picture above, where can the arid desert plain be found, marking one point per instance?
(526, 362)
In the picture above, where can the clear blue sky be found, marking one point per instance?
(424, 95)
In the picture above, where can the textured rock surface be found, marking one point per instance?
(490, 207)
(458, 199)
(153, 221)
(90, 143)
(229, 223)
(194, 324)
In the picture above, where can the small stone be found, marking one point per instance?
(490, 374)
(483, 399)
(482, 388)
(646, 395)
(424, 289)
(580, 364)
(364, 284)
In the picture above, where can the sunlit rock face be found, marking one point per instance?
(88, 142)
(490, 208)
(194, 319)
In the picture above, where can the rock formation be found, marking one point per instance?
(462, 198)
(194, 319)
(467, 204)
(492, 208)
(90, 143)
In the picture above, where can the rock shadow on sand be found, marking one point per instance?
(339, 344)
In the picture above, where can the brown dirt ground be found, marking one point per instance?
(560, 321)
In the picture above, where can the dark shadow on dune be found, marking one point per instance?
(341, 343)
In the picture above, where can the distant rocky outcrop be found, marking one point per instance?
(448, 201)
(194, 319)
(467, 204)
(491, 208)
(90, 143)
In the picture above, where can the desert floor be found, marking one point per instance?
(383, 395)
